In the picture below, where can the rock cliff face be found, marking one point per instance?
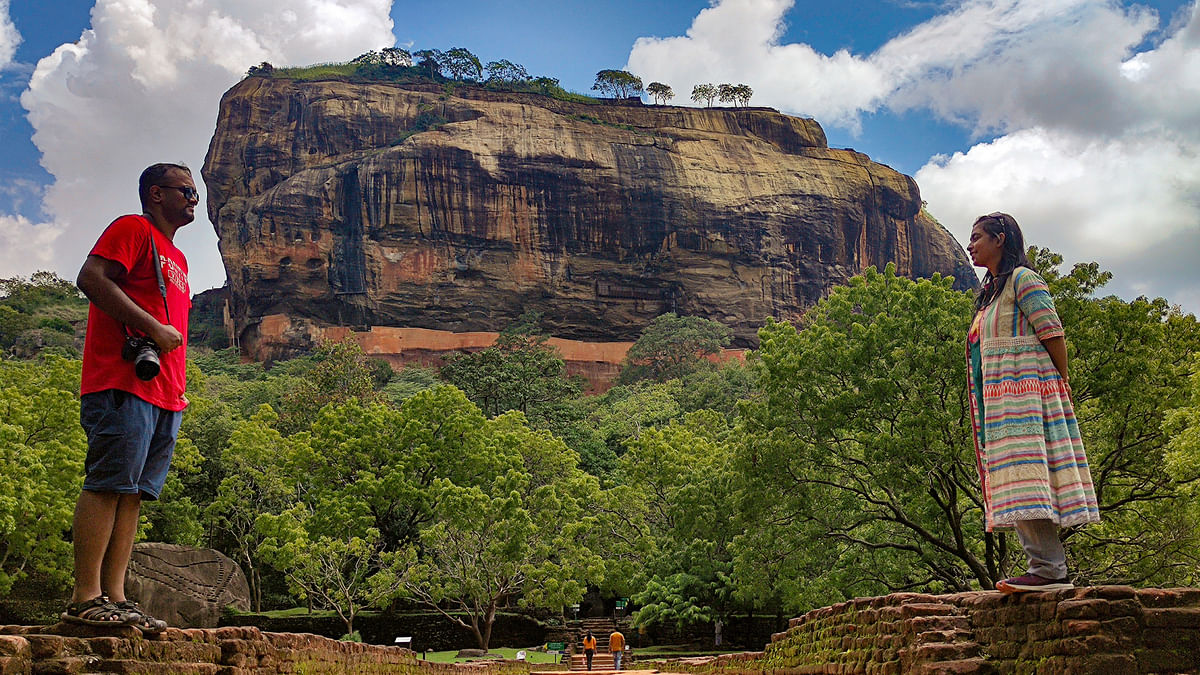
(361, 205)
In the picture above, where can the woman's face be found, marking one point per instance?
(985, 249)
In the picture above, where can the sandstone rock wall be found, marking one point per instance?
(354, 204)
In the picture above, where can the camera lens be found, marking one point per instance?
(146, 365)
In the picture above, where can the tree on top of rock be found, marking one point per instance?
(704, 93)
(617, 83)
(462, 64)
(505, 72)
(737, 94)
(430, 60)
(660, 92)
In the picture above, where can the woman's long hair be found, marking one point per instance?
(1013, 256)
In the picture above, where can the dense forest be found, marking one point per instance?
(835, 461)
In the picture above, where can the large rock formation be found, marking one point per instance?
(376, 204)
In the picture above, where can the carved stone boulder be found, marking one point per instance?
(184, 586)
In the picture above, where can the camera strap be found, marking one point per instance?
(162, 284)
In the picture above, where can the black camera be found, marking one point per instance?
(144, 353)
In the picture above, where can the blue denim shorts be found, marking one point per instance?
(130, 443)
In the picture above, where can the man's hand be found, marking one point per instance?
(167, 338)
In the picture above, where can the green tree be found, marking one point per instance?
(521, 371)
(660, 92)
(505, 72)
(524, 534)
(42, 450)
(336, 567)
(394, 56)
(461, 64)
(672, 346)
(618, 84)
(684, 472)
(342, 372)
(726, 93)
(431, 61)
(860, 445)
(742, 94)
(386, 460)
(258, 462)
(1183, 463)
(704, 93)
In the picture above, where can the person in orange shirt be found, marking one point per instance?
(589, 648)
(616, 645)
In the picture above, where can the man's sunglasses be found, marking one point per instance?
(189, 193)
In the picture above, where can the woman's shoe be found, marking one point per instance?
(1032, 583)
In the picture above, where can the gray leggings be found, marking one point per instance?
(1042, 546)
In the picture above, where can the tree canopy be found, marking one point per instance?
(660, 92)
(617, 84)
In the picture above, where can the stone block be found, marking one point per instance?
(185, 586)
(1158, 597)
(976, 666)
(1180, 617)
(14, 665)
(922, 609)
(1116, 592)
(943, 651)
(1081, 627)
(67, 665)
(15, 645)
(1086, 644)
(1083, 609)
(1167, 660)
(1168, 638)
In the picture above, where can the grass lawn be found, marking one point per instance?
(507, 652)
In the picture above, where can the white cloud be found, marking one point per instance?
(26, 247)
(9, 37)
(142, 85)
(1098, 144)
(738, 41)
(1130, 204)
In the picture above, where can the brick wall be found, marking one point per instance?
(65, 648)
(1103, 630)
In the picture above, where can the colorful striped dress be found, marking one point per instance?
(1028, 448)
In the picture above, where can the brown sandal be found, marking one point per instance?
(95, 612)
(139, 619)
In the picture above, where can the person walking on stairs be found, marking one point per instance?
(616, 645)
(589, 648)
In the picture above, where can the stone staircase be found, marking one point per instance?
(601, 629)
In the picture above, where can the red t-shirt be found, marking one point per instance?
(127, 241)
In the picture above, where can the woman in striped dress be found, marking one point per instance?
(1027, 444)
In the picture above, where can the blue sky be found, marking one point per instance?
(1080, 117)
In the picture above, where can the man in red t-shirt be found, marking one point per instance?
(138, 286)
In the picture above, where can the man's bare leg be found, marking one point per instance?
(95, 514)
(120, 547)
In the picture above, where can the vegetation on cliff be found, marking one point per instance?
(459, 65)
(836, 462)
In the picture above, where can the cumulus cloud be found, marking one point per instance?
(9, 37)
(142, 85)
(26, 247)
(1085, 133)
(738, 41)
(1130, 203)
